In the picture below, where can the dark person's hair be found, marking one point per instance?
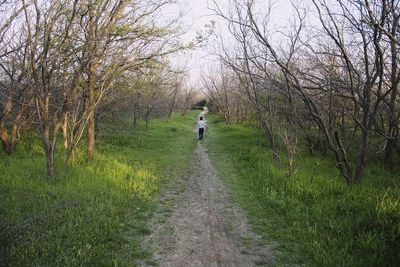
(201, 118)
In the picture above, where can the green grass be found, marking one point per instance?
(92, 214)
(312, 218)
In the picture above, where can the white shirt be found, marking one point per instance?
(201, 124)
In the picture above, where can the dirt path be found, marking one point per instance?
(204, 228)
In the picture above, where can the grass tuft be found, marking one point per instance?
(312, 218)
(91, 214)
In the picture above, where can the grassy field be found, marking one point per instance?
(92, 214)
(312, 218)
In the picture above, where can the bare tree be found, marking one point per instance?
(340, 74)
(18, 99)
(118, 33)
(15, 99)
(188, 96)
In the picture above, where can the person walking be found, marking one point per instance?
(201, 124)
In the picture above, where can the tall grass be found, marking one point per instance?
(91, 214)
(311, 218)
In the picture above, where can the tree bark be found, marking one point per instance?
(392, 115)
(171, 108)
(65, 130)
(361, 161)
(50, 162)
(91, 109)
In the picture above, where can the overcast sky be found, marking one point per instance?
(197, 13)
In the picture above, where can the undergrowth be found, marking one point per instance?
(90, 214)
(312, 217)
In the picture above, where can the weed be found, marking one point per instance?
(314, 217)
(91, 214)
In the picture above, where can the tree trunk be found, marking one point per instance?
(392, 115)
(70, 154)
(3, 127)
(324, 148)
(390, 145)
(135, 115)
(361, 158)
(7, 147)
(65, 130)
(91, 109)
(91, 69)
(171, 108)
(50, 161)
(270, 137)
(397, 147)
(147, 118)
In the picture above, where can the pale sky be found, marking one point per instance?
(197, 13)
